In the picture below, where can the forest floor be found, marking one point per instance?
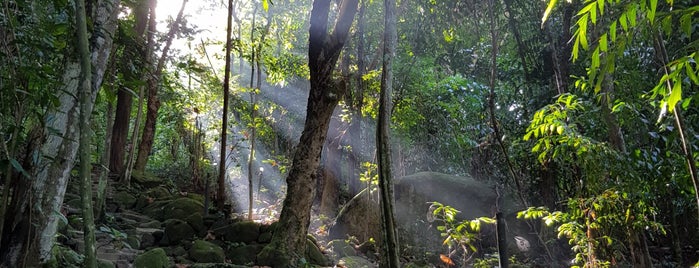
(154, 224)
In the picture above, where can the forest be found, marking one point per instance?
(349, 133)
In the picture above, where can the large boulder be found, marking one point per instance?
(197, 222)
(180, 208)
(154, 258)
(413, 194)
(206, 252)
(146, 180)
(124, 199)
(176, 231)
(245, 254)
(240, 232)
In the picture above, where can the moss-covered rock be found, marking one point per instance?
(206, 252)
(314, 255)
(175, 251)
(151, 224)
(133, 241)
(355, 262)
(197, 222)
(159, 193)
(176, 231)
(341, 248)
(146, 180)
(270, 255)
(244, 232)
(62, 256)
(265, 237)
(124, 199)
(105, 264)
(179, 208)
(197, 197)
(216, 265)
(417, 265)
(245, 254)
(154, 258)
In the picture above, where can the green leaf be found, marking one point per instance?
(612, 31)
(595, 59)
(582, 24)
(559, 130)
(547, 13)
(593, 14)
(686, 102)
(667, 25)
(651, 11)
(623, 22)
(632, 16)
(675, 95)
(527, 136)
(603, 43)
(686, 24)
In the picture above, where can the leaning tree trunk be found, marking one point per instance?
(33, 231)
(289, 243)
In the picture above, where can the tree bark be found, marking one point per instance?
(355, 128)
(383, 141)
(289, 243)
(122, 118)
(146, 68)
(221, 193)
(90, 252)
(32, 233)
(153, 104)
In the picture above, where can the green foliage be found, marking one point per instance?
(619, 32)
(556, 134)
(453, 107)
(596, 226)
(369, 174)
(459, 235)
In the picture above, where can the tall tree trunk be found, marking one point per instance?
(147, 57)
(153, 104)
(31, 236)
(383, 141)
(289, 243)
(129, 65)
(90, 260)
(253, 103)
(355, 127)
(221, 193)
